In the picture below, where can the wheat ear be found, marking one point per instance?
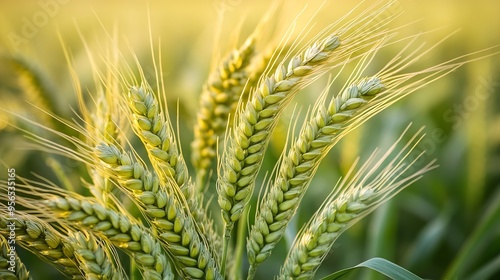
(298, 167)
(121, 230)
(176, 227)
(218, 99)
(44, 241)
(142, 184)
(156, 133)
(20, 272)
(95, 260)
(248, 140)
(355, 197)
(243, 156)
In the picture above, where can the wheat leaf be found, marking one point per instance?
(379, 265)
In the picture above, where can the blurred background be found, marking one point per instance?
(445, 226)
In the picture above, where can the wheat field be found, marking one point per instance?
(232, 139)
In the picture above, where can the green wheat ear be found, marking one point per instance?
(44, 241)
(120, 229)
(218, 100)
(358, 194)
(20, 271)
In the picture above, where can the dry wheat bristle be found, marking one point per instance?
(121, 230)
(359, 193)
(20, 272)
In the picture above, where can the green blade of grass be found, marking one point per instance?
(479, 238)
(380, 265)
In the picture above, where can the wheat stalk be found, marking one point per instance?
(20, 272)
(355, 197)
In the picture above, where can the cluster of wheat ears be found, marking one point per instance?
(155, 210)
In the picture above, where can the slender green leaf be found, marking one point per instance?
(380, 265)
(478, 239)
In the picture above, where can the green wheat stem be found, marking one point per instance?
(240, 244)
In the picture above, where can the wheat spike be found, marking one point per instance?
(356, 196)
(299, 166)
(95, 259)
(19, 271)
(121, 230)
(44, 241)
(177, 228)
(248, 141)
(156, 133)
(217, 101)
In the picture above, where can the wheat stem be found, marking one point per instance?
(240, 245)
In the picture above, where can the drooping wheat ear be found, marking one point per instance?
(11, 266)
(175, 225)
(298, 167)
(151, 125)
(142, 183)
(355, 197)
(95, 259)
(218, 100)
(121, 230)
(44, 241)
(247, 142)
